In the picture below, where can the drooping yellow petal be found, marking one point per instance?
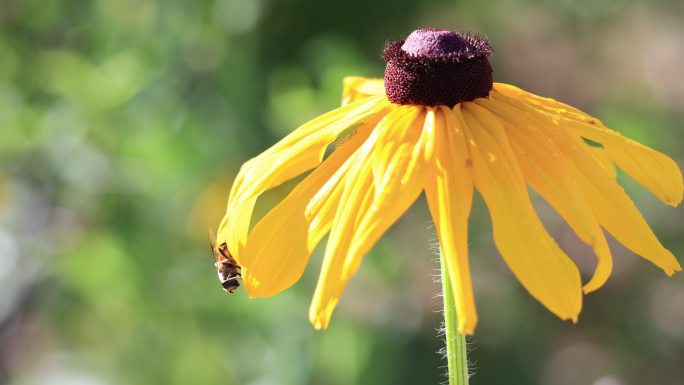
(235, 226)
(533, 99)
(540, 103)
(358, 87)
(540, 265)
(612, 207)
(548, 170)
(604, 159)
(298, 152)
(655, 171)
(302, 149)
(617, 213)
(449, 192)
(279, 246)
(386, 178)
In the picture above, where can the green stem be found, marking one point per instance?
(457, 357)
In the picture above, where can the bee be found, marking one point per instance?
(227, 268)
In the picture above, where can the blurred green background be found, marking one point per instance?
(122, 124)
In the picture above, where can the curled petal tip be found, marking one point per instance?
(319, 326)
(674, 199)
(317, 322)
(674, 270)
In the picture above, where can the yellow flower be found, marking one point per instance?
(392, 140)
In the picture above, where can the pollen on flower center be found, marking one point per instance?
(437, 67)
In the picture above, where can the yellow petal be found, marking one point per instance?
(533, 256)
(302, 149)
(357, 87)
(235, 226)
(604, 159)
(321, 209)
(298, 152)
(548, 170)
(449, 192)
(619, 216)
(279, 246)
(655, 171)
(378, 189)
(612, 207)
(537, 101)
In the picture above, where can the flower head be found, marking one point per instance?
(439, 125)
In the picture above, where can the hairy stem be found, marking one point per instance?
(457, 358)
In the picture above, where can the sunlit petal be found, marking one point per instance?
(612, 207)
(548, 169)
(387, 177)
(449, 192)
(653, 170)
(279, 246)
(358, 87)
(534, 257)
(604, 159)
(298, 152)
(619, 216)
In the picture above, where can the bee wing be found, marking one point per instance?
(212, 245)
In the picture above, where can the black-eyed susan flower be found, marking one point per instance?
(438, 124)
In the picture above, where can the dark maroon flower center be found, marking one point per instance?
(437, 67)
